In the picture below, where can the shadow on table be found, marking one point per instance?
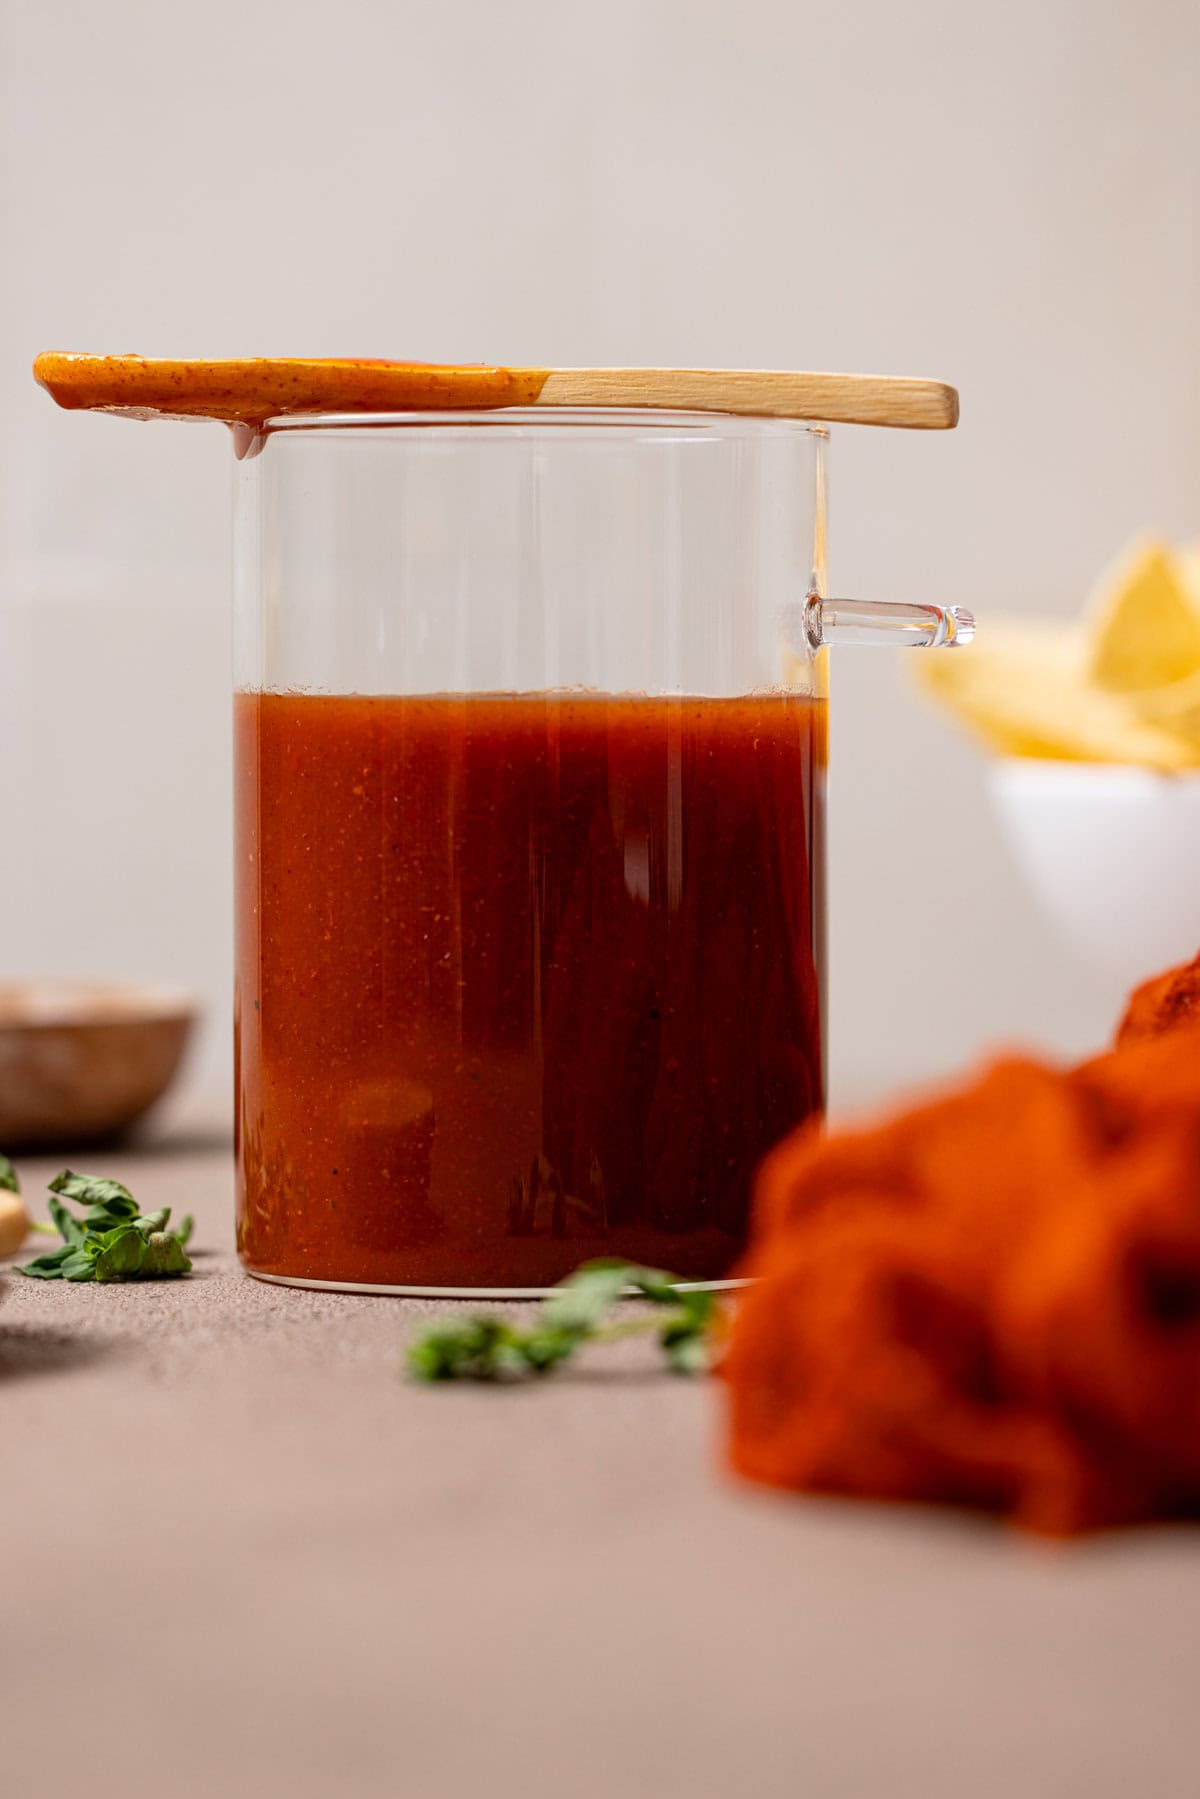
(616, 1375)
(28, 1349)
(181, 1140)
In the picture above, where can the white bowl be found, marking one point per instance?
(1112, 855)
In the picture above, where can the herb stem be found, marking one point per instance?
(631, 1327)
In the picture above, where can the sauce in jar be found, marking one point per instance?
(521, 979)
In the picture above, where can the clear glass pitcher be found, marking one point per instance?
(530, 770)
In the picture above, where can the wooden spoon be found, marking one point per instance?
(250, 390)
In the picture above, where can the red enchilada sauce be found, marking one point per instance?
(520, 979)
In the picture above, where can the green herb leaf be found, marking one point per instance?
(93, 1190)
(691, 1355)
(485, 1348)
(183, 1230)
(122, 1252)
(112, 1241)
(47, 1267)
(479, 1349)
(164, 1256)
(433, 1356)
(105, 1218)
(80, 1264)
(66, 1223)
(542, 1349)
(698, 1306)
(8, 1176)
(687, 1350)
(654, 1284)
(583, 1299)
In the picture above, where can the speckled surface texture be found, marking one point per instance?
(242, 1555)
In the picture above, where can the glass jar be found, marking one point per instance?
(530, 773)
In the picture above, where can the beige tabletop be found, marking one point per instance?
(242, 1555)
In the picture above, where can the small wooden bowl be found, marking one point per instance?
(84, 1059)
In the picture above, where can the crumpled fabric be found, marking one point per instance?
(992, 1299)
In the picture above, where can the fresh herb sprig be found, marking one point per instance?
(8, 1176)
(487, 1348)
(113, 1240)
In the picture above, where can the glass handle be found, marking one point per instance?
(885, 623)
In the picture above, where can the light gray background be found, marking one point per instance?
(1001, 195)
